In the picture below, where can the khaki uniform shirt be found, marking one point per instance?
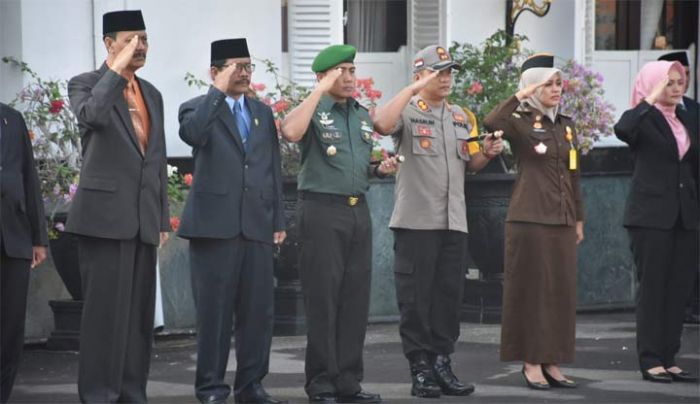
(429, 193)
(336, 149)
(546, 191)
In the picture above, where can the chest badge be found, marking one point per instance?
(516, 115)
(541, 148)
(366, 126)
(538, 122)
(423, 106)
(331, 151)
(424, 130)
(458, 117)
(425, 143)
(325, 119)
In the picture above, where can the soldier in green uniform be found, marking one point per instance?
(430, 216)
(335, 136)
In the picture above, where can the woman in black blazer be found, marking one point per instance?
(661, 215)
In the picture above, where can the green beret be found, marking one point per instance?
(333, 56)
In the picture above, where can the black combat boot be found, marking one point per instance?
(424, 384)
(447, 380)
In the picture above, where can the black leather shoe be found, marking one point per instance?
(566, 383)
(256, 394)
(683, 376)
(360, 397)
(423, 378)
(446, 379)
(663, 377)
(322, 398)
(534, 385)
(213, 400)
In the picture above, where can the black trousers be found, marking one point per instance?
(667, 262)
(116, 334)
(231, 278)
(14, 281)
(429, 268)
(335, 266)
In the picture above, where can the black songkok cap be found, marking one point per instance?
(681, 57)
(538, 60)
(229, 48)
(127, 20)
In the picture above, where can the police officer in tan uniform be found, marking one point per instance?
(430, 216)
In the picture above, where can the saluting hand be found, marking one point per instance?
(223, 78)
(420, 84)
(528, 91)
(123, 58)
(657, 91)
(326, 83)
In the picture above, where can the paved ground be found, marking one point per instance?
(605, 368)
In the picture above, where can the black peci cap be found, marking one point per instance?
(229, 48)
(538, 60)
(681, 57)
(118, 21)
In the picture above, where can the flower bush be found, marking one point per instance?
(489, 74)
(55, 137)
(177, 186)
(583, 100)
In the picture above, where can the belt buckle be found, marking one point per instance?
(353, 200)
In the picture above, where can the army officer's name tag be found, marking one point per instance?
(539, 130)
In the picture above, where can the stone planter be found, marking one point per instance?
(488, 196)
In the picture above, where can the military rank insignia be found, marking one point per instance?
(423, 106)
(442, 53)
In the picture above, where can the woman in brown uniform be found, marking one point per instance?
(543, 227)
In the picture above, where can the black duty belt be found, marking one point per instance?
(347, 200)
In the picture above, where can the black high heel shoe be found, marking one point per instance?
(534, 385)
(683, 376)
(663, 377)
(569, 384)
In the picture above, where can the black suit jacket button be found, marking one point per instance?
(681, 185)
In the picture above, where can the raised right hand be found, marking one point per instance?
(420, 84)
(329, 79)
(528, 91)
(223, 78)
(123, 58)
(657, 91)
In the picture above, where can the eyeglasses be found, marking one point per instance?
(249, 67)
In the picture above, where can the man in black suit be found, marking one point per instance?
(691, 109)
(233, 218)
(23, 238)
(120, 212)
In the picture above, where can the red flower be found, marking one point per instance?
(280, 106)
(56, 106)
(174, 223)
(356, 94)
(475, 88)
(188, 179)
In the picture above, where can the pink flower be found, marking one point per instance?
(475, 88)
(565, 85)
(174, 223)
(56, 106)
(188, 179)
(258, 86)
(280, 106)
(356, 94)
